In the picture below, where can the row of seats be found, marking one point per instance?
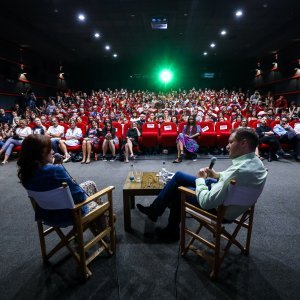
(165, 134)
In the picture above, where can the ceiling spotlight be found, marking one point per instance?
(212, 45)
(81, 17)
(107, 47)
(223, 32)
(97, 35)
(204, 53)
(238, 13)
(115, 55)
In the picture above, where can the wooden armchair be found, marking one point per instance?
(103, 238)
(216, 225)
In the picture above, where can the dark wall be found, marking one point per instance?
(144, 75)
(285, 80)
(42, 74)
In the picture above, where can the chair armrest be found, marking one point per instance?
(94, 197)
(187, 191)
(197, 210)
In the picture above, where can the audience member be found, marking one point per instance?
(55, 132)
(16, 140)
(91, 139)
(73, 136)
(267, 136)
(132, 137)
(110, 139)
(187, 139)
(287, 135)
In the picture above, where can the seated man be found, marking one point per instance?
(267, 136)
(247, 171)
(55, 132)
(287, 135)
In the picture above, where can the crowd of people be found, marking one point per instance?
(76, 119)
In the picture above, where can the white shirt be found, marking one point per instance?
(55, 130)
(23, 132)
(73, 132)
(297, 128)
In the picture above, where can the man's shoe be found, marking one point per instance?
(167, 234)
(148, 211)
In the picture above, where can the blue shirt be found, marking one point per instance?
(50, 177)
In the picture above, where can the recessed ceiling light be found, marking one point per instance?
(56, 10)
(97, 35)
(212, 45)
(223, 32)
(107, 47)
(81, 17)
(204, 53)
(238, 13)
(115, 55)
(133, 15)
(185, 14)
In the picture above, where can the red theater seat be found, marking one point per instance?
(180, 126)
(168, 134)
(83, 127)
(223, 130)
(150, 134)
(208, 137)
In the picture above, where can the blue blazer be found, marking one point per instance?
(50, 177)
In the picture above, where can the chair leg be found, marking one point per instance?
(217, 258)
(249, 231)
(42, 242)
(86, 273)
(111, 223)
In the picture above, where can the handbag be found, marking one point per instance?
(76, 157)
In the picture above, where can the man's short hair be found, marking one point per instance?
(248, 134)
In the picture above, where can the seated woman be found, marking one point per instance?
(20, 133)
(132, 139)
(73, 136)
(5, 133)
(37, 173)
(90, 140)
(110, 140)
(187, 139)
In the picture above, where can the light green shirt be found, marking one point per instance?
(238, 187)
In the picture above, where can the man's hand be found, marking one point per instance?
(202, 173)
(211, 173)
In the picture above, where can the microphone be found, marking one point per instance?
(212, 162)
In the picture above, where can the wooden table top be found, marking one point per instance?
(149, 182)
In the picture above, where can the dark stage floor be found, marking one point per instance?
(142, 268)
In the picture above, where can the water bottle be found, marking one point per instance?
(131, 173)
(163, 172)
(163, 169)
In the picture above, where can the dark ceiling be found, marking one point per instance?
(50, 28)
